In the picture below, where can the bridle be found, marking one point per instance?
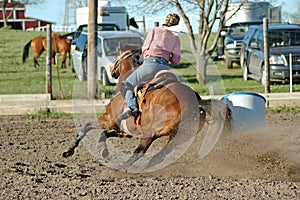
(117, 62)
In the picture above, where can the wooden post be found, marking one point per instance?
(144, 23)
(291, 71)
(92, 78)
(266, 52)
(49, 61)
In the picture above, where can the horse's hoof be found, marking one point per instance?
(68, 152)
(104, 153)
(103, 150)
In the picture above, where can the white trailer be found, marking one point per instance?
(106, 14)
(249, 13)
(252, 11)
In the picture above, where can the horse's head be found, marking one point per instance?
(125, 62)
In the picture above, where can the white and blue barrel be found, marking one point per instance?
(248, 112)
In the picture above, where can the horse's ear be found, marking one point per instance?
(133, 23)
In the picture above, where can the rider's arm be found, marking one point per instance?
(147, 43)
(176, 53)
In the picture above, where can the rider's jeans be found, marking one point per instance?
(143, 73)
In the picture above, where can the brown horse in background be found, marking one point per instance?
(39, 45)
(168, 108)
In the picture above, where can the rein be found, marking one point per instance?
(118, 62)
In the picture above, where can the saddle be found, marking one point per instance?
(160, 80)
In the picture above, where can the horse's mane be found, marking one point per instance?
(68, 34)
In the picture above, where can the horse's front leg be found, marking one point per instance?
(63, 65)
(69, 151)
(53, 58)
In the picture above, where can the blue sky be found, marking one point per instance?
(53, 10)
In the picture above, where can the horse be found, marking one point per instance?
(168, 108)
(39, 44)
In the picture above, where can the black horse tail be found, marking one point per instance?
(220, 120)
(218, 110)
(69, 53)
(26, 51)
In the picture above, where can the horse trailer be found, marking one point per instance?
(106, 14)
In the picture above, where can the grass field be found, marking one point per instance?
(22, 78)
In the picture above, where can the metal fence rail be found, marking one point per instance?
(55, 28)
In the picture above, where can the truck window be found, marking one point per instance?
(283, 38)
(108, 27)
(249, 35)
(99, 47)
(81, 41)
(112, 46)
(254, 42)
(260, 40)
(240, 29)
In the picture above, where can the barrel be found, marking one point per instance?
(248, 112)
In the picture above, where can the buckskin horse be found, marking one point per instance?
(39, 44)
(168, 108)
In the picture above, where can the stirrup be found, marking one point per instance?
(128, 113)
(135, 112)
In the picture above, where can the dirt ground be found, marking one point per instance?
(240, 166)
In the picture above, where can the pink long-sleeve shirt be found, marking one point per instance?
(161, 42)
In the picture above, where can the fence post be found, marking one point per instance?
(266, 52)
(92, 77)
(49, 62)
(291, 72)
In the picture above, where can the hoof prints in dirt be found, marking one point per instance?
(238, 168)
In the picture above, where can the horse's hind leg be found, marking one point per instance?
(139, 151)
(104, 136)
(35, 58)
(161, 155)
(36, 64)
(102, 142)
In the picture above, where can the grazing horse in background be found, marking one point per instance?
(39, 45)
(168, 108)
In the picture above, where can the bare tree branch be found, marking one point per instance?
(211, 15)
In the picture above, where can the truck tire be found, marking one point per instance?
(104, 78)
(228, 63)
(84, 68)
(245, 71)
(263, 79)
(245, 74)
(72, 65)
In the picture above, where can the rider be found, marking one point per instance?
(160, 47)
